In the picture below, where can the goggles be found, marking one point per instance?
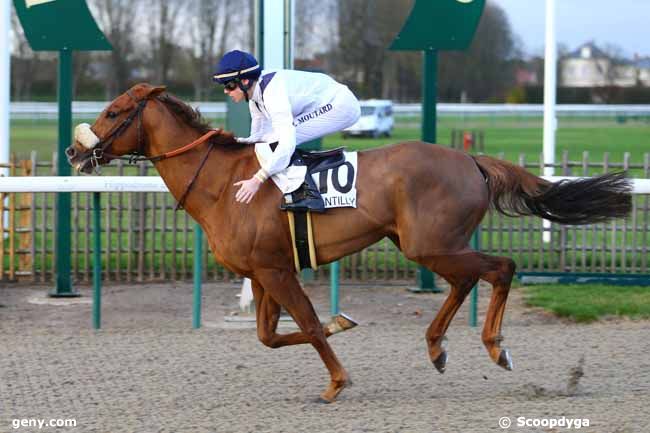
(231, 85)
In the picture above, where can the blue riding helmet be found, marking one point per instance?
(236, 65)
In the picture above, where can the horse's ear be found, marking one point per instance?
(145, 90)
(155, 91)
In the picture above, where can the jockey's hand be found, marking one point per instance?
(248, 188)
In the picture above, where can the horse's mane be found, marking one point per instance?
(193, 118)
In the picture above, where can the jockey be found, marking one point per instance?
(287, 107)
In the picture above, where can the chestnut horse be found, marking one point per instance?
(426, 198)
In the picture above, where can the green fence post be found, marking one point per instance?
(61, 26)
(334, 288)
(425, 278)
(198, 271)
(475, 244)
(432, 26)
(97, 262)
(62, 236)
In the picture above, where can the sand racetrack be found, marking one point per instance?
(148, 371)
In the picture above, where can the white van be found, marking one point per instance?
(376, 119)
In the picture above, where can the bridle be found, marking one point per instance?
(98, 151)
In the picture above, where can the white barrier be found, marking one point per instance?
(90, 109)
(82, 184)
(151, 184)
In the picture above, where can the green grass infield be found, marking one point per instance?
(590, 302)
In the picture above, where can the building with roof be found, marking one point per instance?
(589, 66)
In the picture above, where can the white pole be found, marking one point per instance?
(5, 76)
(289, 30)
(278, 54)
(550, 85)
(274, 14)
(5, 90)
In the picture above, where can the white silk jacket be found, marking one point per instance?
(283, 99)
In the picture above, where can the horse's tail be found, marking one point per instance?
(516, 192)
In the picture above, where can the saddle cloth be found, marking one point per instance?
(337, 185)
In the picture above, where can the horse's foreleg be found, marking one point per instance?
(500, 276)
(268, 315)
(285, 290)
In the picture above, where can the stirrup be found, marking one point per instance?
(305, 198)
(309, 204)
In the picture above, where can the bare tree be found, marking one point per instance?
(209, 33)
(116, 18)
(241, 30)
(308, 31)
(485, 70)
(403, 76)
(81, 66)
(164, 25)
(226, 28)
(250, 17)
(362, 45)
(402, 70)
(24, 62)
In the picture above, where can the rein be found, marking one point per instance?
(99, 151)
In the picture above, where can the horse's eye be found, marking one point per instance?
(111, 114)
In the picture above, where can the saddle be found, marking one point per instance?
(307, 198)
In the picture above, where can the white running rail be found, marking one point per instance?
(90, 109)
(150, 184)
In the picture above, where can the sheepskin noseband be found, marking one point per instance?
(85, 136)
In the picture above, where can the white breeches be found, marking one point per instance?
(342, 112)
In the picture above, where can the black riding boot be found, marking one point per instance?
(306, 198)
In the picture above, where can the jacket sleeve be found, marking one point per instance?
(279, 108)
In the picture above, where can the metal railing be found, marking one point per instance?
(143, 239)
(90, 109)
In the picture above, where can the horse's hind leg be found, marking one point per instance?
(462, 272)
(285, 290)
(268, 314)
(500, 276)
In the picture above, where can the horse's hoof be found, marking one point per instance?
(441, 362)
(329, 396)
(333, 390)
(505, 359)
(340, 323)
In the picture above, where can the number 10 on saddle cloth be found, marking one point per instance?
(337, 185)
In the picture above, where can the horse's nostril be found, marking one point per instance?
(70, 152)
